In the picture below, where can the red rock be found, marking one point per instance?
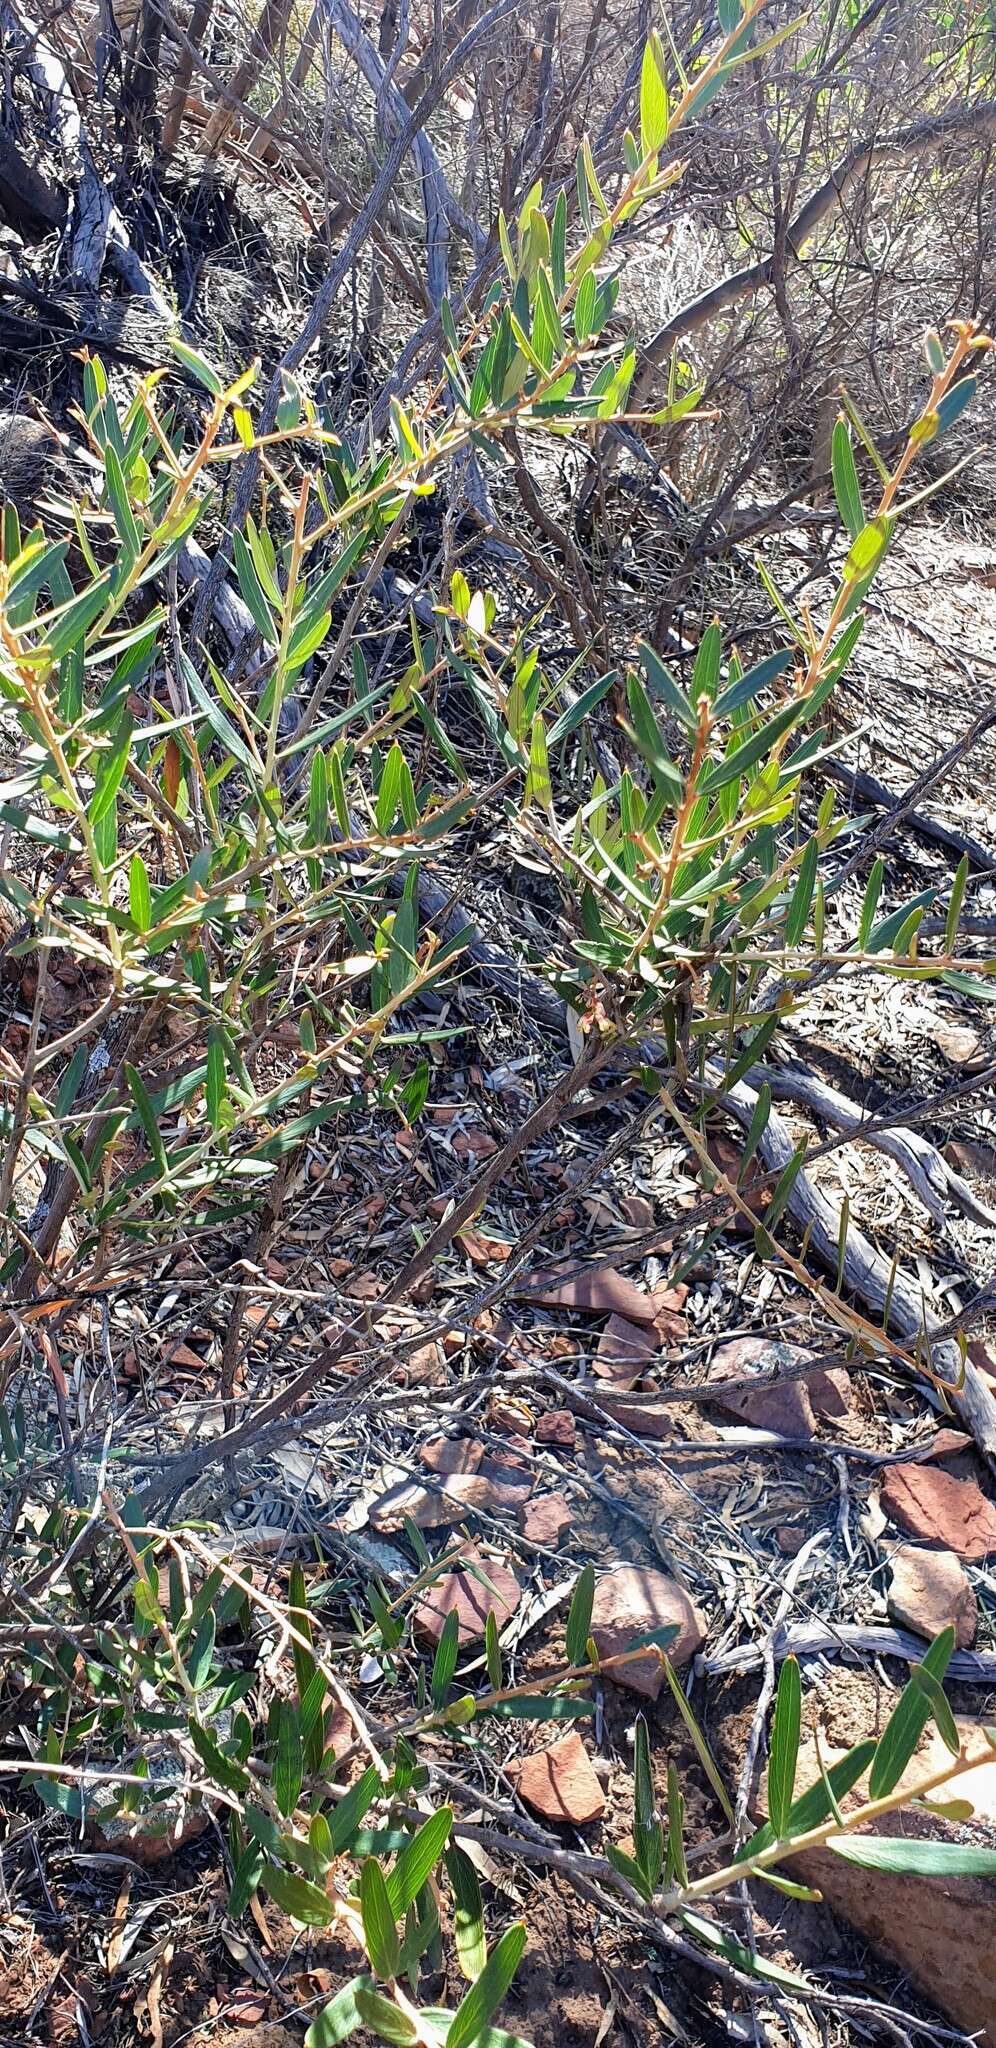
(429, 1508)
(641, 1413)
(557, 1426)
(510, 1482)
(669, 1322)
(544, 1519)
(932, 1503)
(829, 1391)
(783, 1405)
(559, 1782)
(452, 1454)
(639, 1213)
(603, 1292)
(624, 1352)
(948, 1443)
(789, 1539)
(940, 1930)
(459, 1591)
(629, 1603)
(929, 1590)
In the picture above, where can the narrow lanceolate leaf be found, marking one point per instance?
(110, 768)
(468, 1916)
(492, 1650)
(907, 1721)
(653, 98)
(147, 1117)
(298, 1897)
(248, 1871)
(288, 1767)
(418, 1860)
(797, 915)
(341, 2018)
(214, 1086)
(384, 2018)
(648, 1834)
(223, 1769)
(579, 1616)
(915, 1859)
(784, 1745)
(489, 1988)
(444, 1663)
(344, 1822)
(139, 893)
(944, 1719)
(379, 1930)
(958, 887)
(870, 903)
(847, 489)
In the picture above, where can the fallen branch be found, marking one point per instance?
(826, 1639)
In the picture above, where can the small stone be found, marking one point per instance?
(639, 1213)
(509, 1481)
(930, 1591)
(559, 1782)
(452, 1454)
(544, 1519)
(958, 1042)
(789, 1539)
(430, 1509)
(460, 1592)
(557, 1426)
(782, 1405)
(624, 1352)
(631, 1602)
(641, 1413)
(829, 1391)
(947, 1443)
(933, 1504)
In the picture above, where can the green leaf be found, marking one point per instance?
(867, 549)
(214, 1090)
(847, 489)
(298, 1897)
(943, 1717)
(753, 681)
(341, 2018)
(742, 1957)
(784, 1745)
(958, 888)
(488, 1989)
(539, 788)
(797, 915)
(379, 1930)
(662, 684)
(245, 1880)
(718, 773)
(914, 1859)
(444, 1663)
(628, 1868)
(344, 1822)
(110, 769)
(579, 1616)
(468, 1916)
(492, 1650)
(676, 1864)
(218, 1766)
(418, 1859)
(814, 1805)
(653, 98)
(384, 2017)
(139, 893)
(540, 1706)
(648, 1834)
(201, 1655)
(197, 365)
(870, 903)
(288, 1765)
(702, 1749)
(907, 1721)
(147, 1116)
